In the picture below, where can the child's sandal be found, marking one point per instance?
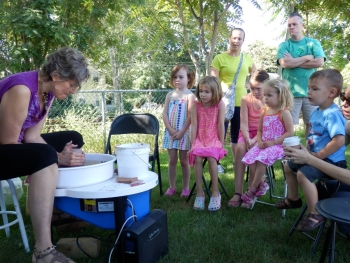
(215, 203)
(233, 203)
(199, 203)
(248, 197)
(262, 189)
(52, 254)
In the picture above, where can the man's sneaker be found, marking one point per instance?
(221, 169)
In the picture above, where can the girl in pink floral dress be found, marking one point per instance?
(207, 134)
(275, 124)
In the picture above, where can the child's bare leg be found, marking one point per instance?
(252, 170)
(172, 167)
(292, 182)
(198, 172)
(239, 170)
(258, 175)
(310, 192)
(213, 170)
(185, 166)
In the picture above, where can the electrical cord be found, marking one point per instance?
(132, 209)
(116, 241)
(98, 238)
(134, 216)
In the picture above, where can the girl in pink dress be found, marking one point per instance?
(275, 124)
(207, 133)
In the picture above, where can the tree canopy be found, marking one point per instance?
(137, 43)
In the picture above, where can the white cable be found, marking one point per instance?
(121, 229)
(132, 207)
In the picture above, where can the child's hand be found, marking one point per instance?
(172, 132)
(250, 143)
(269, 144)
(178, 135)
(261, 145)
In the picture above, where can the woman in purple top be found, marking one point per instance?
(25, 99)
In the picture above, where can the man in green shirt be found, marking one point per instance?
(299, 57)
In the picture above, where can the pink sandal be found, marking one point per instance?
(170, 191)
(249, 198)
(233, 203)
(262, 189)
(185, 193)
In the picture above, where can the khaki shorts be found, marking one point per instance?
(302, 105)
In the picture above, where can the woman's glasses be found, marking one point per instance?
(344, 98)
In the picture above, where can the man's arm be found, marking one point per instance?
(313, 63)
(289, 62)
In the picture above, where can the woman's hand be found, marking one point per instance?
(69, 157)
(300, 156)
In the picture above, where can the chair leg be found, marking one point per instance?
(317, 238)
(206, 188)
(296, 222)
(327, 243)
(3, 209)
(159, 176)
(247, 174)
(285, 194)
(191, 193)
(19, 215)
(223, 189)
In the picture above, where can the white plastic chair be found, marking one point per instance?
(6, 224)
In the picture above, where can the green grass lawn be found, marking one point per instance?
(228, 235)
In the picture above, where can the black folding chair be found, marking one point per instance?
(316, 238)
(206, 187)
(144, 123)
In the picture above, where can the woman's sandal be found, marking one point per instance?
(310, 222)
(290, 205)
(233, 203)
(199, 203)
(53, 256)
(215, 203)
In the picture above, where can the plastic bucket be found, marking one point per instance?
(132, 160)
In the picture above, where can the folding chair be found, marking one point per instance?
(19, 219)
(270, 173)
(144, 123)
(206, 186)
(316, 239)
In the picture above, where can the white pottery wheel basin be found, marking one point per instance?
(98, 168)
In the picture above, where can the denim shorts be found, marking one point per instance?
(311, 172)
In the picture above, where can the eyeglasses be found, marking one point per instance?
(344, 98)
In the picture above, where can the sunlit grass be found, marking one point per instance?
(228, 235)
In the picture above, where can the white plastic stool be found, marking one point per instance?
(17, 212)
